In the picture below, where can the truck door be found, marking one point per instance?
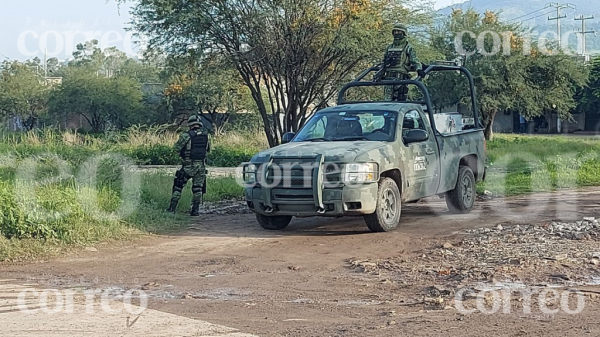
(423, 163)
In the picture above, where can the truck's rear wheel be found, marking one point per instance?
(389, 207)
(273, 223)
(462, 198)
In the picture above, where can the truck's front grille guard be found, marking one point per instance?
(317, 181)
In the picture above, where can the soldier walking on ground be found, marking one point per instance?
(399, 61)
(193, 146)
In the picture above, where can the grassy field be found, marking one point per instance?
(67, 214)
(525, 164)
(54, 196)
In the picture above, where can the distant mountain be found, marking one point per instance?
(531, 14)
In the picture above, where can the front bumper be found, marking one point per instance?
(346, 200)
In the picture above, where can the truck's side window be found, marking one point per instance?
(412, 120)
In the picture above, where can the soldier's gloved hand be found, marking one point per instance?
(421, 73)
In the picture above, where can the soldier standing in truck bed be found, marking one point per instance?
(399, 61)
(192, 146)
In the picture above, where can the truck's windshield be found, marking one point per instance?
(348, 126)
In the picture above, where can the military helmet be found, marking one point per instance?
(401, 28)
(194, 120)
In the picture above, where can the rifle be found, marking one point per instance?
(380, 73)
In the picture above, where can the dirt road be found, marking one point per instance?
(299, 282)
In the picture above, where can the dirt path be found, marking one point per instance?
(298, 282)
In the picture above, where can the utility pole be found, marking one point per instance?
(584, 32)
(45, 64)
(559, 17)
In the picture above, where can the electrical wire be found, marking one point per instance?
(539, 16)
(522, 16)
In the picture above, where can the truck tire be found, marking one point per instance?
(273, 223)
(462, 198)
(389, 207)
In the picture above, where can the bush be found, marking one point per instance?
(55, 213)
(228, 157)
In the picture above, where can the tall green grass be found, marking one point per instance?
(525, 164)
(49, 216)
(38, 219)
(145, 146)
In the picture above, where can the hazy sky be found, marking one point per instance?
(446, 3)
(29, 26)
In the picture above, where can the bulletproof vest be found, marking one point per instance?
(396, 58)
(196, 147)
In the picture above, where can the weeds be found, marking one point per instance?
(526, 164)
(57, 212)
(145, 145)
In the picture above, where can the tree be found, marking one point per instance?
(533, 84)
(142, 71)
(291, 54)
(23, 93)
(112, 62)
(552, 84)
(208, 86)
(588, 97)
(99, 100)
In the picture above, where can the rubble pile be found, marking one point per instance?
(588, 228)
(552, 253)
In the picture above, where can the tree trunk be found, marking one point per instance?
(254, 85)
(552, 121)
(489, 132)
(30, 122)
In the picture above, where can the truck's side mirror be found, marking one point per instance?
(287, 137)
(415, 136)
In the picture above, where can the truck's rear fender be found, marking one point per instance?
(471, 161)
(461, 149)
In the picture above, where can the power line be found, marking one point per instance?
(539, 10)
(537, 16)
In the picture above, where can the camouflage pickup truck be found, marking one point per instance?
(363, 158)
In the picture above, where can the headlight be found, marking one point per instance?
(249, 174)
(361, 173)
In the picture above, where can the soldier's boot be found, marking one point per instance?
(173, 207)
(195, 209)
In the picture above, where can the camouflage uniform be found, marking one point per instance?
(400, 59)
(194, 169)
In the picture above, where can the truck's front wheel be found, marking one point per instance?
(462, 198)
(389, 207)
(273, 223)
